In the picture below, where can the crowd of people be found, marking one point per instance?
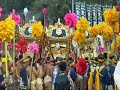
(58, 74)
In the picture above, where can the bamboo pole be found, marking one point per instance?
(6, 63)
(108, 61)
(14, 60)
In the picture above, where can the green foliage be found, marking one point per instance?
(57, 9)
(37, 6)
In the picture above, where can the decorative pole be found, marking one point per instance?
(45, 11)
(6, 62)
(73, 6)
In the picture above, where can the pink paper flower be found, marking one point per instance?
(45, 11)
(71, 19)
(9, 45)
(15, 17)
(101, 48)
(1, 44)
(0, 11)
(33, 47)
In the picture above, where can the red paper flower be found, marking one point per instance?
(71, 19)
(118, 8)
(21, 47)
(45, 11)
(81, 66)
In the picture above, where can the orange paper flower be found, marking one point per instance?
(37, 29)
(93, 31)
(101, 27)
(116, 27)
(111, 16)
(7, 28)
(107, 33)
(79, 37)
(82, 25)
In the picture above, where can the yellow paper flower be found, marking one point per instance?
(93, 31)
(10, 23)
(101, 27)
(107, 33)
(79, 37)
(82, 25)
(113, 44)
(7, 28)
(116, 27)
(37, 29)
(118, 40)
(111, 16)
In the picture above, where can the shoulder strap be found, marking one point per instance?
(100, 69)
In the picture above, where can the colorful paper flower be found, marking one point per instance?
(118, 40)
(0, 11)
(111, 16)
(1, 44)
(93, 31)
(116, 27)
(118, 50)
(15, 17)
(101, 27)
(37, 29)
(70, 19)
(118, 8)
(81, 66)
(82, 25)
(107, 33)
(21, 47)
(45, 11)
(7, 28)
(101, 48)
(33, 47)
(79, 37)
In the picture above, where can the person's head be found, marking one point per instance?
(20, 56)
(48, 60)
(101, 58)
(92, 59)
(18, 64)
(105, 55)
(86, 58)
(62, 66)
(114, 60)
(95, 60)
(26, 61)
(72, 63)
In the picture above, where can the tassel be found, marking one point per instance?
(97, 80)
(90, 80)
(115, 86)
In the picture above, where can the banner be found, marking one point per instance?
(94, 13)
(83, 10)
(89, 14)
(99, 14)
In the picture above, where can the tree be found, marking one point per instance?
(57, 9)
